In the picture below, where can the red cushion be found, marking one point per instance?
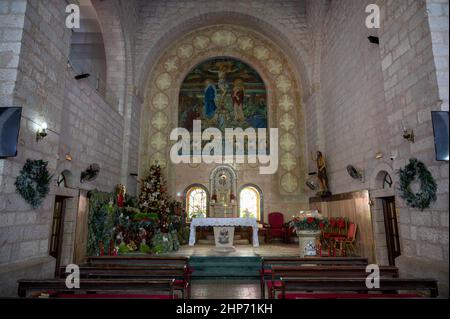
(276, 220)
(265, 271)
(179, 282)
(347, 296)
(113, 296)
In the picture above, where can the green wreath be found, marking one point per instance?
(428, 187)
(33, 182)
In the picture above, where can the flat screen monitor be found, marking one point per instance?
(440, 128)
(9, 130)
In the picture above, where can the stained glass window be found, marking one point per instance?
(249, 203)
(196, 202)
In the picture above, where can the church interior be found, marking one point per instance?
(224, 149)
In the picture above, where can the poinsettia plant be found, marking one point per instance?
(308, 223)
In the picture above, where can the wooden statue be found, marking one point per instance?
(322, 173)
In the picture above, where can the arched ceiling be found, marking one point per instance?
(297, 53)
(160, 108)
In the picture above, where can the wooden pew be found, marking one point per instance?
(328, 271)
(179, 273)
(139, 260)
(335, 288)
(268, 262)
(96, 288)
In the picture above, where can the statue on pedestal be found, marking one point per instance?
(322, 174)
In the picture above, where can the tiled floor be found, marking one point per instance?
(225, 289)
(232, 288)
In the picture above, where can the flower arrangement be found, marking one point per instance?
(308, 223)
(247, 214)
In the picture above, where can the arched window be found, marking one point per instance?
(87, 50)
(250, 202)
(196, 202)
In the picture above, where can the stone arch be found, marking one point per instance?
(378, 174)
(108, 13)
(69, 179)
(71, 175)
(115, 21)
(213, 176)
(176, 28)
(252, 48)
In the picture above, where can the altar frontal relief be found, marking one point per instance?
(223, 107)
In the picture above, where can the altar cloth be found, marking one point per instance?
(224, 222)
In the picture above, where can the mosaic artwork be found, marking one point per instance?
(223, 93)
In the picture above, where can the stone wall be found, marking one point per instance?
(80, 122)
(354, 95)
(12, 15)
(412, 90)
(164, 21)
(366, 92)
(437, 11)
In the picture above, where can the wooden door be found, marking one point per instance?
(391, 228)
(56, 239)
(81, 229)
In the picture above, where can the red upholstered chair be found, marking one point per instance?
(276, 227)
(347, 244)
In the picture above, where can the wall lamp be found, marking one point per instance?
(408, 133)
(41, 131)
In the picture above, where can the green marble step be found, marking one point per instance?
(225, 267)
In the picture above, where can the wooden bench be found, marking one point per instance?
(154, 289)
(329, 271)
(335, 288)
(139, 260)
(268, 262)
(179, 273)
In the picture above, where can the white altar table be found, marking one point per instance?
(224, 222)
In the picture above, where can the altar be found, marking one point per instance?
(223, 229)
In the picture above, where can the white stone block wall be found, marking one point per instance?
(352, 96)
(366, 91)
(438, 18)
(80, 122)
(12, 14)
(355, 94)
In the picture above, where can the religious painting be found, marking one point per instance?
(223, 93)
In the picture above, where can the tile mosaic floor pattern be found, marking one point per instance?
(225, 289)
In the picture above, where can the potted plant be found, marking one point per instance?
(308, 227)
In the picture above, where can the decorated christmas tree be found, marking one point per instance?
(154, 199)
